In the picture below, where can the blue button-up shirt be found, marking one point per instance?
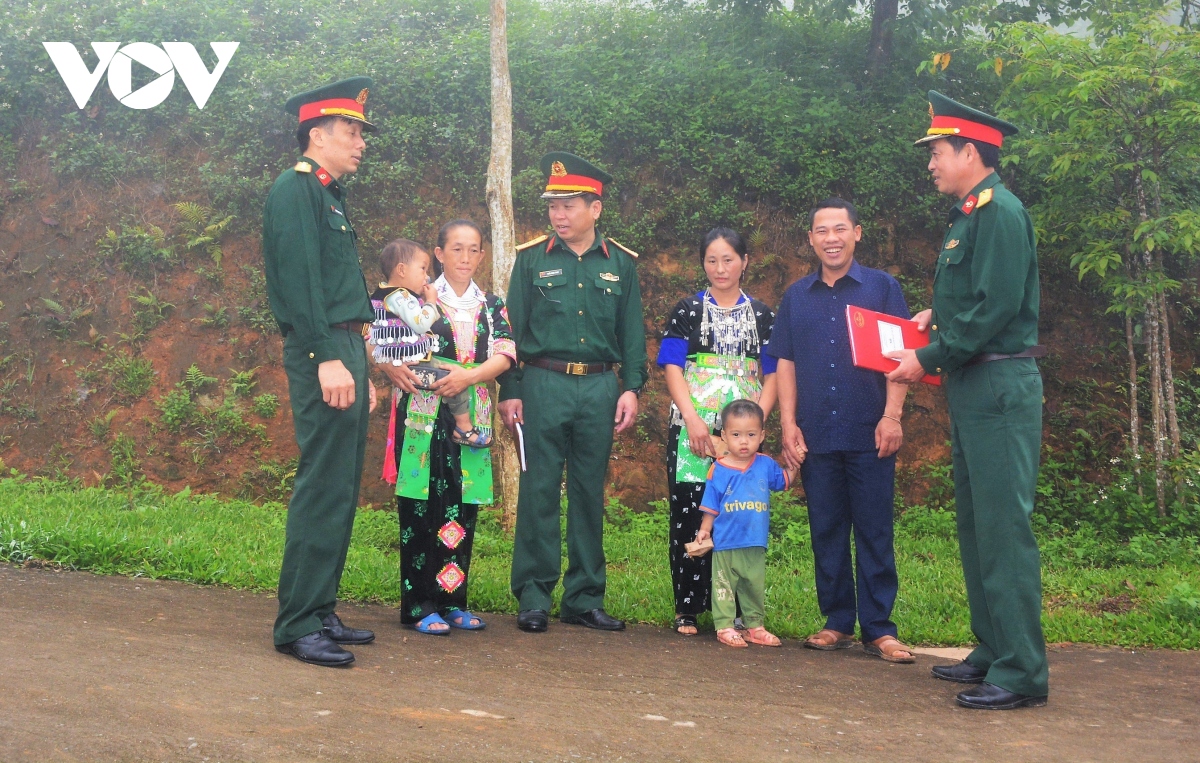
(838, 406)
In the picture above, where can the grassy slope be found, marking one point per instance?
(206, 539)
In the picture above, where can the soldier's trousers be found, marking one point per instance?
(996, 433)
(568, 421)
(321, 511)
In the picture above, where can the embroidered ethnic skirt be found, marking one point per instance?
(436, 534)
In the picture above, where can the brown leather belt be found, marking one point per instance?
(354, 327)
(1036, 351)
(574, 369)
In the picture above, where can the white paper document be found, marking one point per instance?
(891, 337)
(521, 445)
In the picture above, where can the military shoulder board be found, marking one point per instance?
(623, 248)
(532, 242)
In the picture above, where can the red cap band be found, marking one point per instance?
(331, 108)
(575, 184)
(964, 128)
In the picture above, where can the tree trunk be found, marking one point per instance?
(500, 209)
(1134, 422)
(1169, 377)
(879, 48)
(1156, 405)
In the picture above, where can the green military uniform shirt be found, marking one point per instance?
(985, 288)
(314, 278)
(578, 308)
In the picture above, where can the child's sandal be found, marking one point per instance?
(762, 637)
(730, 637)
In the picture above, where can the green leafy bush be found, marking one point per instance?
(266, 405)
(140, 249)
(131, 376)
(177, 408)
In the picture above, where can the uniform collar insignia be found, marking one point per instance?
(324, 177)
(969, 205)
(604, 246)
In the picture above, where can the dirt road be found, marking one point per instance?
(104, 668)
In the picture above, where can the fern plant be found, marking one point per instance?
(203, 229)
(196, 380)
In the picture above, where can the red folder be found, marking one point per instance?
(871, 331)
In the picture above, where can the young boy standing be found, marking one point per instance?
(737, 508)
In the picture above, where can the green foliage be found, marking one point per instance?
(241, 383)
(1115, 135)
(196, 380)
(131, 376)
(215, 316)
(203, 228)
(204, 539)
(140, 249)
(1183, 604)
(266, 405)
(253, 308)
(149, 311)
(101, 425)
(79, 152)
(126, 466)
(177, 409)
(272, 480)
(61, 321)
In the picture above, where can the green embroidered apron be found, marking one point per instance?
(714, 382)
(412, 473)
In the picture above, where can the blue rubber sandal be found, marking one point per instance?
(464, 620)
(422, 625)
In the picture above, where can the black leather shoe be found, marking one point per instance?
(332, 626)
(991, 697)
(317, 649)
(596, 618)
(960, 673)
(533, 620)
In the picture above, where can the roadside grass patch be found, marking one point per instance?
(1135, 594)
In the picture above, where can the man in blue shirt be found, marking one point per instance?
(841, 425)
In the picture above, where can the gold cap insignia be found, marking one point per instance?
(362, 96)
(557, 170)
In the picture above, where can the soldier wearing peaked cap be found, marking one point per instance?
(983, 341)
(576, 314)
(320, 300)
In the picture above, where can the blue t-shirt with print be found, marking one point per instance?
(741, 501)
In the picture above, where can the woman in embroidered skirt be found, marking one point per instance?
(712, 354)
(440, 484)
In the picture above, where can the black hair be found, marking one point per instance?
(729, 236)
(325, 123)
(742, 409)
(833, 202)
(460, 222)
(396, 252)
(988, 154)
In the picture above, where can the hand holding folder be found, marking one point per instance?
(872, 334)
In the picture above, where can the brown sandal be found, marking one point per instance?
(828, 640)
(887, 648)
(762, 637)
(730, 637)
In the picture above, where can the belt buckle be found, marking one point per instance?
(577, 369)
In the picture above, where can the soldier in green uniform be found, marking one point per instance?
(319, 298)
(576, 312)
(983, 341)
